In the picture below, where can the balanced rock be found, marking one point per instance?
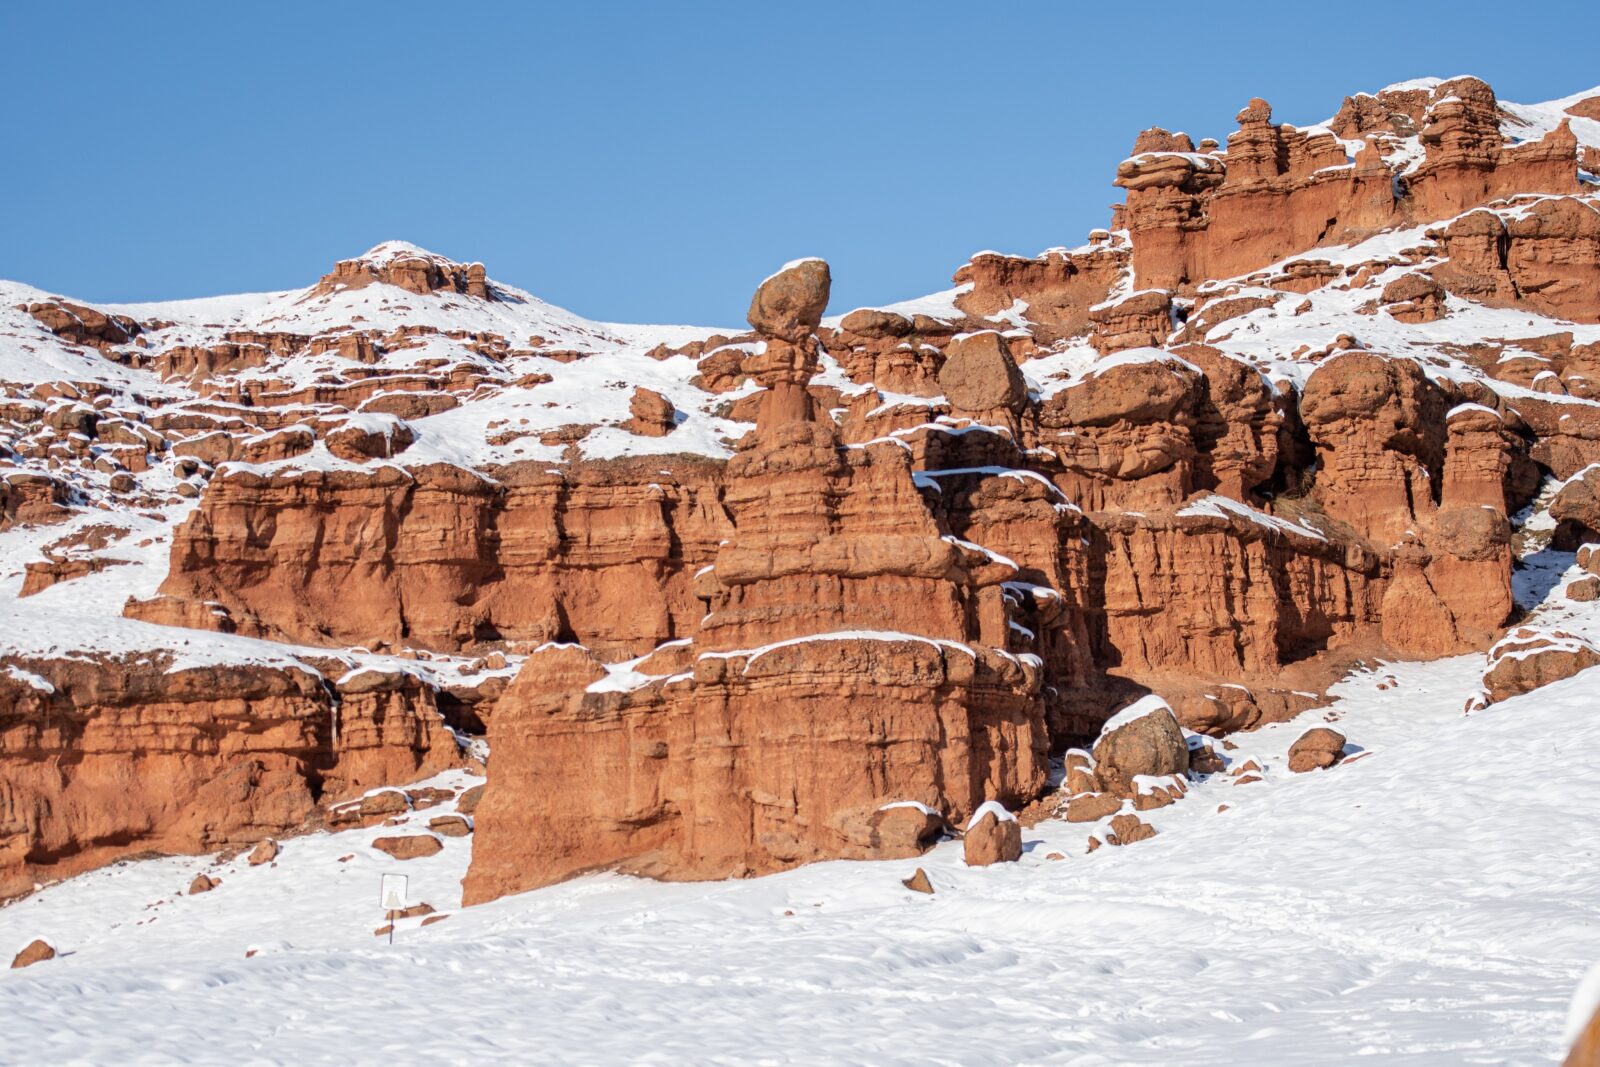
(993, 836)
(980, 375)
(39, 950)
(789, 304)
(1141, 739)
(409, 846)
(1316, 749)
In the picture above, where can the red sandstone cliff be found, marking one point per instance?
(774, 596)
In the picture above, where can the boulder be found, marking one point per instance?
(203, 883)
(918, 882)
(1316, 749)
(370, 437)
(1527, 659)
(980, 375)
(409, 846)
(265, 852)
(872, 322)
(1081, 778)
(652, 415)
(1576, 508)
(993, 836)
(450, 825)
(789, 304)
(897, 830)
(1126, 829)
(1584, 590)
(1141, 739)
(469, 800)
(38, 950)
(384, 802)
(1092, 807)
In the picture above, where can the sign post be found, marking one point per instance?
(392, 895)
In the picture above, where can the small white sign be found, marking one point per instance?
(392, 892)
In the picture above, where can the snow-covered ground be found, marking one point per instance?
(1435, 902)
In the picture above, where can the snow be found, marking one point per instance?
(1222, 507)
(1145, 705)
(753, 654)
(1322, 917)
(1585, 1004)
(990, 807)
(917, 804)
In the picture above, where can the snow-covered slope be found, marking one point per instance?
(1433, 902)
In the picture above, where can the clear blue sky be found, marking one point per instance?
(653, 161)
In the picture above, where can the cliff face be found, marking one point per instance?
(810, 589)
(132, 755)
(451, 559)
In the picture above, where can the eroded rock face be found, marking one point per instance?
(853, 657)
(409, 268)
(1278, 190)
(1004, 512)
(108, 758)
(440, 557)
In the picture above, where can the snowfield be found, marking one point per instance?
(1435, 902)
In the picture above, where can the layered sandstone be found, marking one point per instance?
(901, 558)
(124, 756)
(853, 657)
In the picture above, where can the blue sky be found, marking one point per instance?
(653, 161)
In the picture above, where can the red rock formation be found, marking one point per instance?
(848, 632)
(1545, 257)
(411, 269)
(837, 590)
(108, 758)
(445, 558)
(1278, 190)
(1059, 288)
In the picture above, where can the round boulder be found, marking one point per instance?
(789, 304)
(1316, 749)
(1141, 739)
